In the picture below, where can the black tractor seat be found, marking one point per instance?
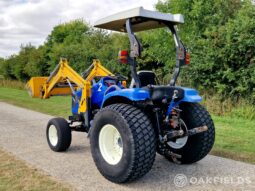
(146, 77)
(157, 92)
(160, 92)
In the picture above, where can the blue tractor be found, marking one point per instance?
(128, 126)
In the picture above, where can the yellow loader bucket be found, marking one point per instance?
(34, 86)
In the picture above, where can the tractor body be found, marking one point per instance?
(128, 125)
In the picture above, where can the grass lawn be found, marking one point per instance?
(234, 136)
(16, 175)
(58, 105)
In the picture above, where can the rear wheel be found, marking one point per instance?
(196, 147)
(110, 144)
(123, 143)
(58, 134)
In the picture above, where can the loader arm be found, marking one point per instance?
(62, 73)
(46, 87)
(98, 70)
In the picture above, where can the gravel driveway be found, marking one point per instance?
(23, 134)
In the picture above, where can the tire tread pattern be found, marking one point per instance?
(196, 115)
(144, 140)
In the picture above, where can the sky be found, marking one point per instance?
(30, 21)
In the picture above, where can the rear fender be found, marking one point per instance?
(132, 94)
(191, 95)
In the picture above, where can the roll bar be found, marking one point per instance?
(136, 49)
(180, 55)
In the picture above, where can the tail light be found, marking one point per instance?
(187, 58)
(123, 56)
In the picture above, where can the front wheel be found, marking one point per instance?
(196, 147)
(58, 134)
(123, 143)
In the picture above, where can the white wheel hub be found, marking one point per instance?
(53, 135)
(179, 142)
(110, 144)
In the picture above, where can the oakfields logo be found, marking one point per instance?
(181, 180)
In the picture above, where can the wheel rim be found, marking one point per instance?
(110, 144)
(179, 142)
(53, 135)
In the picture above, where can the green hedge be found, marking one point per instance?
(220, 35)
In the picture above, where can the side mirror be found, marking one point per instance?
(123, 56)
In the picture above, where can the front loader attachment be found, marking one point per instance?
(65, 81)
(62, 81)
(35, 88)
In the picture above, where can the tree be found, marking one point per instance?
(221, 42)
(220, 37)
(1, 66)
(236, 40)
(69, 33)
(36, 63)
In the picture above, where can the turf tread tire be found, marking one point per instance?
(198, 146)
(143, 142)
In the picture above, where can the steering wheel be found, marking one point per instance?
(120, 77)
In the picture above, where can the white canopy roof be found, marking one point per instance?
(141, 19)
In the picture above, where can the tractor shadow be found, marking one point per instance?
(78, 149)
(80, 144)
(163, 173)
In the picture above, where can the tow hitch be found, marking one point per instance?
(180, 133)
(197, 130)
